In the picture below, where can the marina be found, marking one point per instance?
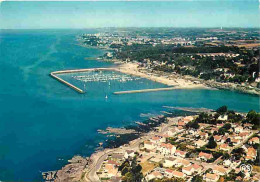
(99, 75)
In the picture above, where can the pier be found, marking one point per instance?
(67, 83)
(144, 90)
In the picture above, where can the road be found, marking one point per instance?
(98, 158)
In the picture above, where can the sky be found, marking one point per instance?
(94, 14)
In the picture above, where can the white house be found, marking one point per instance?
(211, 177)
(239, 129)
(154, 175)
(220, 170)
(166, 149)
(223, 118)
(180, 153)
(188, 170)
(129, 153)
(205, 156)
(149, 145)
(200, 143)
(181, 162)
(169, 162)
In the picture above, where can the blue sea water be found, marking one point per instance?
(43, 123)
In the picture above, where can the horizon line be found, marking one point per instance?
(53, 28)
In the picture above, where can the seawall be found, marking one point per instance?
(145, 90)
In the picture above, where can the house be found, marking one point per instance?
(251, 154)
(217, 138)
(154, 175)
(213, 129)
(188, 170)
(203, 135)
(205, 156)
(200, 143)
(115, 179)
(223, 118)
(181, 162)
(178, 174)
(220, 170)
(197, 168)
(166, 148)
(223, 139)
(110, 170)
(227, 163)
(192, 131)
(220, 125)
(169, 162)
(117, 157)
(149, 145)
(211, 177)
(155, 140)
(187, 119)
(231, 163)
(171, 132)
(163, 137)
(243, 135)
(239, 129)
(181, 123)
(224, 147)
(113, 163)
(248, 126)
(129, 153)
(253, 140)
(168, 173)
(235, 141)
(180, 153)
(179, 129)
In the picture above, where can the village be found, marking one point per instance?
(184, 149)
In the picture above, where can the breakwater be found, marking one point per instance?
(55, 73)
(67, 83)
(144, 90)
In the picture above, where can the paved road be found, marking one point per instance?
(242, 143)
(98, 158)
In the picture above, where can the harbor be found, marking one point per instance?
(98, 75)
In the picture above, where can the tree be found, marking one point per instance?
(193, 124)
(211, 144)
(123, 165)
(253, 117)
(226, 156)
(222, 110)
(132, 172)
(124, 171)
(197, 178)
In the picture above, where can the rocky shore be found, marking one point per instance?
(71, 172)
(75, 170)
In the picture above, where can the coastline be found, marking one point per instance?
(172, 81)
(88, 173)
(183, 82)
(84, 168)
(176, 80)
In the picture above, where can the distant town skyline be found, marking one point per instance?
(82, 14)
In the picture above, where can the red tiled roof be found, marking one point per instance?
(206, 155)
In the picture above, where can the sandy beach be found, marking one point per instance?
(177, 82)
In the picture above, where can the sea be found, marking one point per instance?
(43, 123)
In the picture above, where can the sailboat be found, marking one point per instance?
(106, 97)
